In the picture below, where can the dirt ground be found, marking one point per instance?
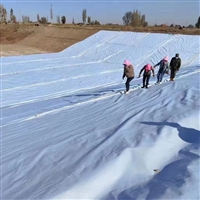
(17, 49)
(23, 40)
(29, 39)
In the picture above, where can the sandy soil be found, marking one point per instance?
(23, 40)
(17, 50)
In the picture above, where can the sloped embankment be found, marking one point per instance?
(39, 39)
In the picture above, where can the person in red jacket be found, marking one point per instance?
(129, 73)
(147, 74)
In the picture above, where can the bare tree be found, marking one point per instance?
(127, 18)
(51, 13)
(43, 20)
(3, 13)
(14, 18)
(38, 18)
(190, 26)
(89, 20)
(58, 19)
(143, 20)
(96, 22)
(84, 16)
(198, 23)
(25, 19)
(11, 14)
(136, 18)
(63, 19)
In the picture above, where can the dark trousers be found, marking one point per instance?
(146, 80)
(173, 73)
(128, 83)
(160, 75)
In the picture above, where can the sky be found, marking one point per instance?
(178, 12)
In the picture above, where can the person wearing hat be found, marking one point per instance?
(146, 74)
(129, 73)
(175, 65)
(164, 67)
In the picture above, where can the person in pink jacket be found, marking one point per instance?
(147, 74)
(164, 68)
(129, 73)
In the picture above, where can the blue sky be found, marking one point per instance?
(179, 12)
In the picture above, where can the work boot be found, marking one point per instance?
(126, 92)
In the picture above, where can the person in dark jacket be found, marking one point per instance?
(175, 65)
(163, 68)
(129, 73)
(147, 74)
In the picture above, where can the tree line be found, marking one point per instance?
(134, 18)
(4, 14)
(63, 20)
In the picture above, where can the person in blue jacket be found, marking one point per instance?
(164, 68)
